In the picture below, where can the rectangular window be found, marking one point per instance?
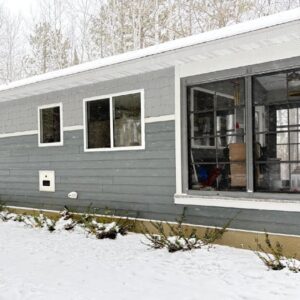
(115, 122)
(216, 150)
(50, 125)
(277, 131)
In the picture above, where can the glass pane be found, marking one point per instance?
(293, 82)
(202, 118)
(293, 116)
(216, 136)
(282, 137)
(98, 122)
(295, 177)
(295, 152)
(294, 135)
(282, 152)
(203, 129)
(127, 120)
(203, 100)
(50, 125)
(276, 132)
(282, 117)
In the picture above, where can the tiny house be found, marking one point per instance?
(209, 122)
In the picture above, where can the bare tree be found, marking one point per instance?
(11, 45)
(67, 32)
(49, 50)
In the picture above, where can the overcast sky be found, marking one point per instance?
(16, 6)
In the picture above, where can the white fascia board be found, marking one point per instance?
(229, 31)
(240, 203)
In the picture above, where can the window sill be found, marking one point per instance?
(129, 148)
(51, 144)
(241, 203)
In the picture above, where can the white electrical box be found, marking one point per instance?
(47, 181)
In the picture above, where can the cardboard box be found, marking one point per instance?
(237, 152)
(238, 180)
(238, 168)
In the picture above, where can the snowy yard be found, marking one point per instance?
(37, 264)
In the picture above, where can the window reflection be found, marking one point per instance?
(98, 119)
(277, 131)
(217, 152)
(50, 125)
(127, 120)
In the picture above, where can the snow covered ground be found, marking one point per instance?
(37, 264)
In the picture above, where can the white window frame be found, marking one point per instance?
(61, 142)
(112, 147)
(241, 200)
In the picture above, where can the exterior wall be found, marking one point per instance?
(136, 183)
(21, 115)
(130, 181)
(133, 182)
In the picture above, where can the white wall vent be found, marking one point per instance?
(47, 181)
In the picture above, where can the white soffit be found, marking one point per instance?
(262, 33)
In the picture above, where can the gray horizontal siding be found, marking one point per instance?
(21, 114)
(135, 183)
(127, 180)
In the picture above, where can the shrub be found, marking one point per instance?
(66, 221)
(293, 264)
(213, 234)
(101, 230)
(19, 218)
(40, 221)
(272, 256)
(2, 206)
(107, 231)
(177, 237)
(5, 216)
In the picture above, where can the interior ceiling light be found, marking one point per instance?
(293, 81)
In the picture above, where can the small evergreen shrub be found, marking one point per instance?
(89, 222)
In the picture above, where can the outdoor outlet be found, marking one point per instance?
(73, 195)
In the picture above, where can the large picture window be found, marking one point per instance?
(217, 152)
(223, 155)
(50, 125)
(276, 100)
(115, 122)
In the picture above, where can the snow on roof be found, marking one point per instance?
(232, 30)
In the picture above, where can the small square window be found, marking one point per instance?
(50, 125)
